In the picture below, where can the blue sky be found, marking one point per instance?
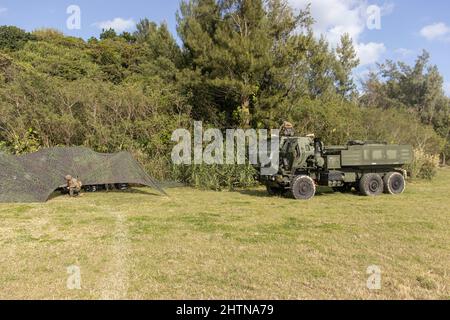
(407, 26)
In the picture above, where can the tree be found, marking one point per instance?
(108, 34)
(130, 38)
(158, 40)
(417, 88)
(143, 29)
(246, 59)
(321, 75)
(241, 63)
(348, 61)
(13, 38)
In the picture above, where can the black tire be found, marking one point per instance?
(371, 185)
(121, 186)
(303, 188)
(90, 188)
(394, 183)
(273, 191)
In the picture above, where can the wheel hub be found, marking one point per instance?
(396, 184)
(304, 188)
(374, 186)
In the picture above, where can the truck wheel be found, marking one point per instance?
(371, 185)
(90, 188)
(303, 188)
(273, 191)
(121, 186)
(394, 183)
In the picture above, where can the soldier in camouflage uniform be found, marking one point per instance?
(73, 185)
(287, 129)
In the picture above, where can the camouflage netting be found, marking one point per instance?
(34, 177)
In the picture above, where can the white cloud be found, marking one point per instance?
(336, 17)
(436, 31)
(3, 10)
(403, 52)
(387, 8)
(369, 53)
(118, 24)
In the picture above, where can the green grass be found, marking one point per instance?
(226, 245)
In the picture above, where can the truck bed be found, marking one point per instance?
(375, 155)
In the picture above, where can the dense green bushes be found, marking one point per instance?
(424, 166)
(140, 116)
(130, 91)
(13, 38)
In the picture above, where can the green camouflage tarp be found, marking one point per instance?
(34, 177)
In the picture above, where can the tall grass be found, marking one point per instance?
(216, 177)
(423, 166)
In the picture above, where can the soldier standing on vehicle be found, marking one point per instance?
(287, 129)
(73, 185)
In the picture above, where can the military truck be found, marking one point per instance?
(369, 167)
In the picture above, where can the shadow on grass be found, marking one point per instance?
(56, 194)
(253, 193)
(59, 194)
(321, 191)
(137, 191)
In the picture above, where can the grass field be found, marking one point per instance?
(225, 245)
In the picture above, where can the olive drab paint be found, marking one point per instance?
(369, 167)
